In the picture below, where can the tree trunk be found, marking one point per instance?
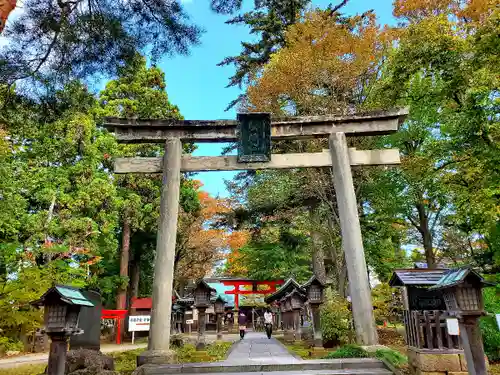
(318, 255)
(343, 282)
(426, 236)
(121, 298)
(135, 275)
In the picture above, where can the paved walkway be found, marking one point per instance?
(257, 348)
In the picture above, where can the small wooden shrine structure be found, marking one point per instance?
(424, 310)
(431, 347)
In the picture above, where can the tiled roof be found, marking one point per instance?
(415, 277)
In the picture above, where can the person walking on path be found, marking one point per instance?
(242, 322)
(268, 321)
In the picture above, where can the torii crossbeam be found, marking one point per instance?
(254, 133)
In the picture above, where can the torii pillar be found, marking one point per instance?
(352, 242)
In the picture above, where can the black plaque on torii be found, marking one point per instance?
(254, 137)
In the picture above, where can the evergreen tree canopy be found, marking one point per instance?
(62, 39)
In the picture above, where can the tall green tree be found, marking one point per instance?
(61, 40)
(139, 91)
(450, 177)
(60, 217)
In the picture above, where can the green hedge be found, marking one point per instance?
(394, 357)
(348, 351)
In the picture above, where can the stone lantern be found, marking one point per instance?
(297, 301)
(202, 295)
(462, 293)
(315, 295)
(219, 305)
(62, 306)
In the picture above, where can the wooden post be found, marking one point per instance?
(57, 355)
(352, 242)
(159, 333)
(470, 334)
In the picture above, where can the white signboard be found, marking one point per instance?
(138, 323)
(452, 326)
(190, 321)
(498, 320)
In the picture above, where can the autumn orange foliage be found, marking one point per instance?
(6, 7)
(235, 263)
(200, 243)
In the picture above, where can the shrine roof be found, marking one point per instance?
(417, 277)
(286, 288)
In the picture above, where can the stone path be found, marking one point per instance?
(257, 348)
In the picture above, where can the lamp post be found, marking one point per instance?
(462, 292)
(219, 312)
(315, 295)
(62, 306)
(202, 294)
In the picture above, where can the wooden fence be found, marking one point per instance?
(427, 330)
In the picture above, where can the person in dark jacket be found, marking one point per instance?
(242, 322)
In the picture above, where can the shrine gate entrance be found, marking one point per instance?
(271, 287)
(254, 133)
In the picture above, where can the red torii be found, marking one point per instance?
(271, 288)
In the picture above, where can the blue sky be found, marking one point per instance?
(197, 85)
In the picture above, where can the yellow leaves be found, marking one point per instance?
(238, 239)
(236, 264)
(323, 66)
(470, 10)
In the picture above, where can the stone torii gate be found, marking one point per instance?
(254, 132)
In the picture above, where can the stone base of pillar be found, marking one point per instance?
(318, 343)
(220, 337)
(288, 336)
(297, 336)
(201, 344)
(436, 362)
(158, 357)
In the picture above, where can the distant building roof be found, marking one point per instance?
(142, 303)
(417, 277)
